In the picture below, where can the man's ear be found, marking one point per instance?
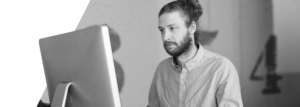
(192, 27)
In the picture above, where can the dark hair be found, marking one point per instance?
(191, 10)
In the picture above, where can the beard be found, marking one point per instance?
(178, 49)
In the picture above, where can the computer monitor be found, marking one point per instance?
(84, 59)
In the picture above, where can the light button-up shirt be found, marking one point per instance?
(207, 80)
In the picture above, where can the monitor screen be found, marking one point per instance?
(83, 58)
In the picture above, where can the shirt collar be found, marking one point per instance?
(196, 60)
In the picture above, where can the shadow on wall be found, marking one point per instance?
(270, 58)
(206, 37)
(279, 94)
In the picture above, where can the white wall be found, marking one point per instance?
(286, 28)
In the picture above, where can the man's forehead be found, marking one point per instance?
(170, 18)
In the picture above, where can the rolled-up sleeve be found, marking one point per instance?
(228, 93)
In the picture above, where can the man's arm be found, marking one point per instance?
(229, 91)
(153, 99)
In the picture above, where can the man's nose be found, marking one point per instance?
(166, 36)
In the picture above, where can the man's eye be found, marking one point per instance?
(171, 28)
(161, 30)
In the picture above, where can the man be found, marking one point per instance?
(193, 76)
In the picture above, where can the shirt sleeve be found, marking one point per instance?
(153, 99)
(228, 93)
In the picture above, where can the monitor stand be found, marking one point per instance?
(60, 95)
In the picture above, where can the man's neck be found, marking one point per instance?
(187, 56)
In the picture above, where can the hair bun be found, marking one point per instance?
(194, 5)
(193, 2)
